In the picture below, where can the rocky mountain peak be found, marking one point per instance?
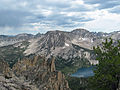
(52, 40)
(38, 35)
(55, 32)
(82, 33)
(78, 31)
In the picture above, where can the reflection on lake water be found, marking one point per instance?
(84, 72)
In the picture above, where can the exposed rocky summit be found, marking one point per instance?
(33, 73)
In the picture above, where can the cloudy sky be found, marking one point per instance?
(33, 16)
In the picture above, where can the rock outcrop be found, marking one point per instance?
(5, 70)
(15, 84)
(33, 73)
(52, 65)
(8, 81)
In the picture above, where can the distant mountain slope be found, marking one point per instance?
(71, 49)
(13, 53)
(6, 40)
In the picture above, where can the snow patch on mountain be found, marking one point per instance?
(66, 44)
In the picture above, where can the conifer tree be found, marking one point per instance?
(107, 72)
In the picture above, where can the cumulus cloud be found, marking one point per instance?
(43, 15)
(104, 21)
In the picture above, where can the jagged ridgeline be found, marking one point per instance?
(33, 73)
(72, 50)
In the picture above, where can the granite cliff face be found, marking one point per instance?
(33, 73)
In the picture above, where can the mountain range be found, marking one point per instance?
(46, 61)
(71, 49)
